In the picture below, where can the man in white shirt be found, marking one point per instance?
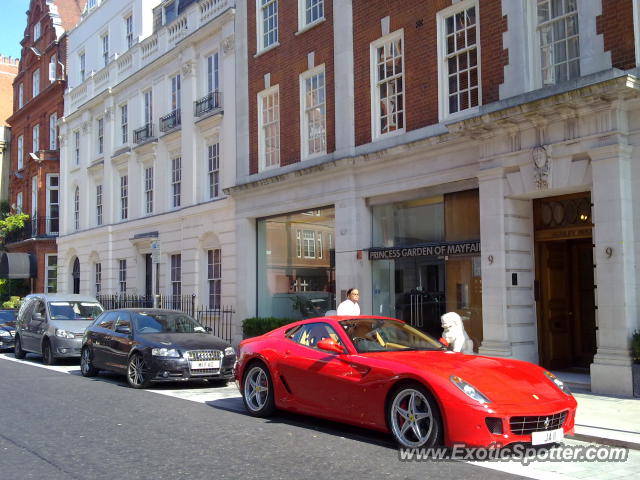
(350, 305)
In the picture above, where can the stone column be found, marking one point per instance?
(616, 268)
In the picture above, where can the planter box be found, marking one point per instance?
(635, 368)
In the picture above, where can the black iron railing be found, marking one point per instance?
(35, 228)
(208, 103)
(170, 121)
(143, 134)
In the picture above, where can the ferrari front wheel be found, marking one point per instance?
(414, 418)
(257, 391)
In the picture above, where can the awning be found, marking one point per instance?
(18, 265)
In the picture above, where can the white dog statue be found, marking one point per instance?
(454, 333)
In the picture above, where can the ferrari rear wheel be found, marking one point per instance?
(257, 391)
(414, 418)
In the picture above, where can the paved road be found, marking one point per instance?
(56, 424)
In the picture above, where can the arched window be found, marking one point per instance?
(76, 209)
(75, 274)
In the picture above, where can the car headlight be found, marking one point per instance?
(5, 333)
(557, 382)
(64, 334)
(229, 351)
(165, 352)
(469, 390)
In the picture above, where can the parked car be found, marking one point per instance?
(52, 325)
(7, 329)
(154, 345)
(382, 374)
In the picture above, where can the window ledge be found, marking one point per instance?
(382, 136)
(268, 49)
(309, 26)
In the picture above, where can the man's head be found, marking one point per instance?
(353, 294)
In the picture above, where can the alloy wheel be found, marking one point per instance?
(136, 372)
(412, 418)
(256, 388)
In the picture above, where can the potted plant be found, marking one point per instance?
(635, 354)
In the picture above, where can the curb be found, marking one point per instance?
(613, 442)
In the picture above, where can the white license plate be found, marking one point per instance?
(207, 364)
(551, 436)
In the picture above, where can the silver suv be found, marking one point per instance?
(52, 324)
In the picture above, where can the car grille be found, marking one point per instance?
(204, 356)
(542, 423)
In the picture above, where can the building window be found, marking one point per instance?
(20, 152)
(124, 197)
(214, 277)
(267, 23)
(388, 87)
(124, 123)
(176, 275)
(148, 107)
(213, 169)
(100, 135)
(122, 275)
(314, 113)
(269, 121)
(128, 27)
(51, 274)
(82, 59)
(20, 95)
(148, 190)
(176, 181)
(175, 93)
(98, 204)
(558, 36)
(35, 137)
(76, 209)
(53, 66)
(309, 243)
(212, 73)
(98, 276)
(311, 11)
(170, 12)
(19, 202)
(36, 31)
(34, 197)
(53, 204)
(76, 146)
(35, 83)
(105, 48)
(53, 131)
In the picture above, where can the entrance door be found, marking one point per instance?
(148, 276)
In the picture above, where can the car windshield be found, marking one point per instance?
(74, 310)
(383, 335)
(170, 322)
(8, 317)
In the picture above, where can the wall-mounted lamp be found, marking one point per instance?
(608, 252)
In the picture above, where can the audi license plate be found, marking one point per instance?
(551, 436)
(205, 364)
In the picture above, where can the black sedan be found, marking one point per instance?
(7, 329)
(154, 345)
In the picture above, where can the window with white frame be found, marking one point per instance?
(170, 12)
(124, 197)
(53, 203)
(269, 122)
(309, 243)
(388, 84)
(176, 181)
(76, 209)
(128, 28)
(122, 275)
(98, 277)
(148, 190)
(36, 31)
(82, 65)
(175, 93)
(213, 169)
(100, 135)
(124, 123)
(19, 202)
(213, 78)
(35, 139)
(53, 66)
(558, 35)
(98, 204)
(147, 107)
(53, 131)
(314, 113)
(35, 83)
(298, 243)
(34, 197)
(176, 275)
(214, 277)
(92, 3)
(310, 11)
(105, 48)
(460, 58)
(76, 146)
(267, 23)
(20, 152)
(51, 273)
(21, 95)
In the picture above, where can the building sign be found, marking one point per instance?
(437, 250)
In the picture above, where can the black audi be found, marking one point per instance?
(154, 345)
(7, 329)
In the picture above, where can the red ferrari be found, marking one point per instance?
(382, 374)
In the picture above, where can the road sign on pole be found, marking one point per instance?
(155, 251)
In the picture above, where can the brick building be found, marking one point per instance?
(474, 156)
(8, 71)
(38, 91)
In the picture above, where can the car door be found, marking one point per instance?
(37, 326)
(24, 318)
(321, 382)
(121, 340)
(99, 335)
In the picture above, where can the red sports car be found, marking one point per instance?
(382, 374)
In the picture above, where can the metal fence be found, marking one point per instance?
(219, 319)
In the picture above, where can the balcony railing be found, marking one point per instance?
(208, 103)
(170, 121)
(35, 228)
(143, 134)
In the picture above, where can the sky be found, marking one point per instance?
(13, 20)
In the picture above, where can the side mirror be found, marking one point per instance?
(124, 329)
(37, 316)
(330, 345)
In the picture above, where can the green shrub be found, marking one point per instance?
(254, 326)
(13, 302)
(635, 346)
